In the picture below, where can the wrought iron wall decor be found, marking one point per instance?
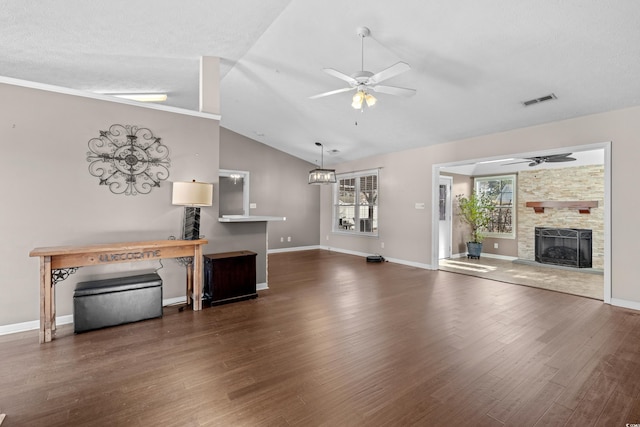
(128, 159)
(58, 275)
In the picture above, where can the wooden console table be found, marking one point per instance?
(56, 263)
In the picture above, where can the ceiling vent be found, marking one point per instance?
(539, 100)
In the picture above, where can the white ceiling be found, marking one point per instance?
(473, 62)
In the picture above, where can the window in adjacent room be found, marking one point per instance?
(501, 189)
(355, 198)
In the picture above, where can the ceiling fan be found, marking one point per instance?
(552, 158)
(364, 82)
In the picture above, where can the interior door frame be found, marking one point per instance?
(606, 146)
(448, 212)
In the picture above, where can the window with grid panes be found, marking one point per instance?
(356, 203)
(501, 189)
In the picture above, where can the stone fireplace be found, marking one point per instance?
(563, 246)
(575, 183)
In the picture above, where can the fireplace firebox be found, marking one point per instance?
(563, 246)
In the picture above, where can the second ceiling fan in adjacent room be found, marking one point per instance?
(538, 160)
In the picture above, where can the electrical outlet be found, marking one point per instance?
(253, 205)
(289, 239)
(327, 237)
(282, 239)
(495, 246)
(382, 245)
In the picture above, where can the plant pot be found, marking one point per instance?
(474, 249)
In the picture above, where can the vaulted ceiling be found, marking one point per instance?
(472, 63)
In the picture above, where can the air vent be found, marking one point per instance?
(539, 100)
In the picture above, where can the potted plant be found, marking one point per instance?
(475, 210)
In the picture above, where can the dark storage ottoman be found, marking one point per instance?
(109, 302)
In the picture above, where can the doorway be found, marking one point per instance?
(445, 216)
(473, 167)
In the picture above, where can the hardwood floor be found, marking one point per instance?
(339, 342)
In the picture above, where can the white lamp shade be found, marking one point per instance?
(192, 194)
(357, 100)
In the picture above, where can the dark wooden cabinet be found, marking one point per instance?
(229, 276)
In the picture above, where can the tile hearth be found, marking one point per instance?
(589, 283)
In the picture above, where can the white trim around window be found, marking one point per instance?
(355, 203)
(503, 191)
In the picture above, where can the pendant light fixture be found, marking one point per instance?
(322, 175)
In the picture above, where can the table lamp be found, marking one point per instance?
(192, 195)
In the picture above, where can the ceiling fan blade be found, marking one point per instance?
(341, 76)
(333, 92)
(538, 160)
(514, 163)
(393, 90)
(394, 70)
(560, 159)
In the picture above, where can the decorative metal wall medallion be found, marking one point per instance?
(128, 159)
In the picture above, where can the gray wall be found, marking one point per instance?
(278, 187)
(50, 199)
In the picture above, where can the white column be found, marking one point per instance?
(210, 84)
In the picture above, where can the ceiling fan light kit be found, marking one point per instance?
(362, 96)
(364, 82)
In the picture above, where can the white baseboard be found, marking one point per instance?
(31, 325)
(350, 252)
(496, 256)
(293, 249)
(412, 264)
(394, 260)
(625, 304)
(68, 319)
(344, 251)
(174, 301)
(262, 286)
(486, 255)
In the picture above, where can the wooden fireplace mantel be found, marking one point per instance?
(583, 206)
